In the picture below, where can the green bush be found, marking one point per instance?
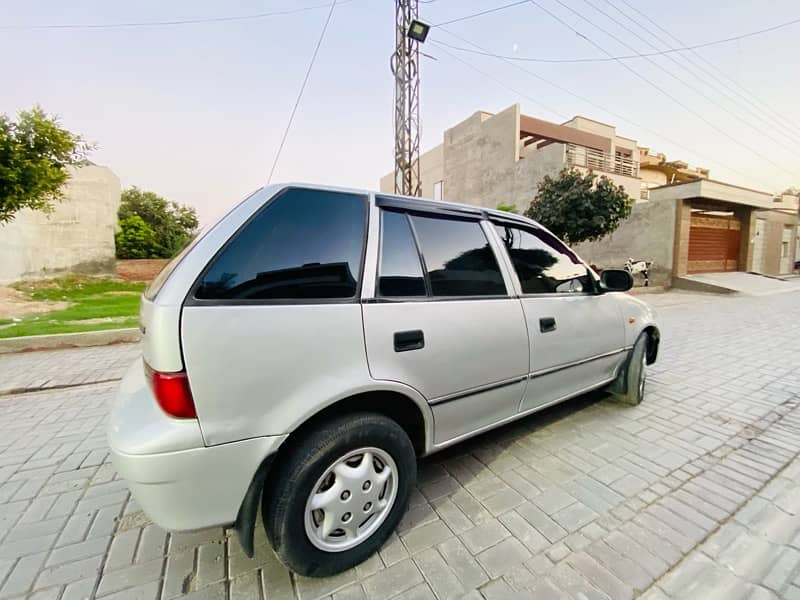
(136, 239)
(173, 224)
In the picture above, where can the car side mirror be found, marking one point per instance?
(616, 280)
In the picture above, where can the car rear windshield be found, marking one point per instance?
(305, 244)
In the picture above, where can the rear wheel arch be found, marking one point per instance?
(395, 405)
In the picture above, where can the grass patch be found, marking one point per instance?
(90, 298)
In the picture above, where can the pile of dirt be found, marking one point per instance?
(15, 304)
(140, 269)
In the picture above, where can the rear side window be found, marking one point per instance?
(400, 272)
(306, 244)
(543, 264)
(458, 257)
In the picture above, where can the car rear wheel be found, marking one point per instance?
(339, 494)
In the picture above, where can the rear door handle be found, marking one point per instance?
(409, 340)
(547, 324)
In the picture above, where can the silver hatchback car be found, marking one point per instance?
(303, 352)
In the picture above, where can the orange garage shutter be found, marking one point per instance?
(713, 243)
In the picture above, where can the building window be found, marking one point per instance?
(438, 190)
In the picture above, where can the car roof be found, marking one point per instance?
(412, 202)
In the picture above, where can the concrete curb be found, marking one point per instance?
(70, 340)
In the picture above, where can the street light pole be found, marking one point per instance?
(405, 66)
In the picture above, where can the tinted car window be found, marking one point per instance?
(458, 258)
(306, 244)
(543, 264)
(400, 272)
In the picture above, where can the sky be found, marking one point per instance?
(196, 112)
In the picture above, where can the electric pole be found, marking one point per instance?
(405, 66)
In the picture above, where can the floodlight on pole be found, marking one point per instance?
(418, 30)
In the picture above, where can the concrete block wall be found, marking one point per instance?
(77, 237)
(481, 141)
(648, 234)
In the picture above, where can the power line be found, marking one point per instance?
(480, 14)
(715, 101)
(300, 93)
(498, 81)
(621, 117)
(600, 59)
(648, 81)
(711, 73)
(223, 19)
(731, 94)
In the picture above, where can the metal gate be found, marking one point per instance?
(713, 243)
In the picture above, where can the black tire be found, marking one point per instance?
(629, 388)
(287, 490)
(637, 371)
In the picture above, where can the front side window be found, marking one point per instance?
(400, 272)
(458, 257)
(306, 244)
(543, 264)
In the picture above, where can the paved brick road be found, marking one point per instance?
(693, 494)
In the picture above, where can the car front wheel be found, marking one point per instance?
(629, 388)
(339, 493)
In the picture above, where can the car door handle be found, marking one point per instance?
(547, 324)
(409, 340)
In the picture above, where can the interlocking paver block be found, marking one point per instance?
(69, 572)
(462, 562)
(442, 579)
(456, 520)
(501, 557)
(313, 588)
(397, 578)
(22, 576)
(484, 536)
(87, 549)
(600, 576)
(132, 576)
(426, 536)
(544, 524)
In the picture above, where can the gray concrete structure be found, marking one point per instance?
(77, 237)
(646, 235)
(489, 159)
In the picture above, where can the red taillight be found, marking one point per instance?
(172, 393)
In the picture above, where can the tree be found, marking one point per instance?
(136, 239)
(791, 191)
(172, 224)
(35, 152)
(512, 208)
(579, 207)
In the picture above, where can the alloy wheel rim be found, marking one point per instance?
(351, 499)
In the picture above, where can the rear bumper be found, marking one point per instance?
(196, 488)
(179, 482)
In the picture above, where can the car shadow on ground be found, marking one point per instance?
(530, 424)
